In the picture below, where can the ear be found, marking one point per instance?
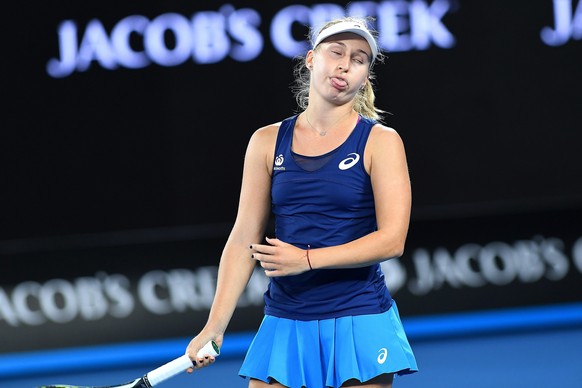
(309, 60)
(364, 84)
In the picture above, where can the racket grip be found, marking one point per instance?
(179, 364)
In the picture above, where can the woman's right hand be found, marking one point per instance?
(194, 347)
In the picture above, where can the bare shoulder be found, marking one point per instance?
(268, 132)
(385, 148)
(385, 132)
(383, 136)
(262, 143)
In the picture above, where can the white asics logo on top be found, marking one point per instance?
(382, 356)
(349, 162)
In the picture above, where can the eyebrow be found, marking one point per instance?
(344, 45)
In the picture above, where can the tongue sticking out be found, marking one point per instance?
(339, 83)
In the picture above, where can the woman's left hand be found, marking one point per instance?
(279, 258)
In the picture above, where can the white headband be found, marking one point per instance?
(353, 27)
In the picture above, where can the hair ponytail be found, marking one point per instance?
(364, 102)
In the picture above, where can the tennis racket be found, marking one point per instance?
(158, 375)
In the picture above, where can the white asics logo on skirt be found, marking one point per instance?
(382, 356)
(349, 162)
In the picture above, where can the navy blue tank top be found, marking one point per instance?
(331, 205)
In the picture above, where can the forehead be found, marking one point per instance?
(351, 39)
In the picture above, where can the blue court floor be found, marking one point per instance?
(542, 356)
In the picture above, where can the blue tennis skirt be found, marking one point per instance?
(327, 353)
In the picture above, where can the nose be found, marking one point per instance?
(343, 66)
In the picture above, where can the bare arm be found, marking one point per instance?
(236, 265)
(385, 161)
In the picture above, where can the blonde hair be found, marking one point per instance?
(364, 100)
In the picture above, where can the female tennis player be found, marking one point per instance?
(337, 182)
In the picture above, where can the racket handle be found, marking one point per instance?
(179, 365)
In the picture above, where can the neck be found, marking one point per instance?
(322, 124)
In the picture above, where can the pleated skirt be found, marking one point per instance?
(327, 353)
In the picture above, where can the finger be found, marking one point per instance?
(201, 361)
(205, 361)
(266, 249)
(274, 241)
(257, 257)
(263, 256)
(273, 273)
(260, 258)
(267, 265)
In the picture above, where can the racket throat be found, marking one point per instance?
(144, 382)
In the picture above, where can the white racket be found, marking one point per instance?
(158, 375)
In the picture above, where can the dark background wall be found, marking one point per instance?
(489, 112)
